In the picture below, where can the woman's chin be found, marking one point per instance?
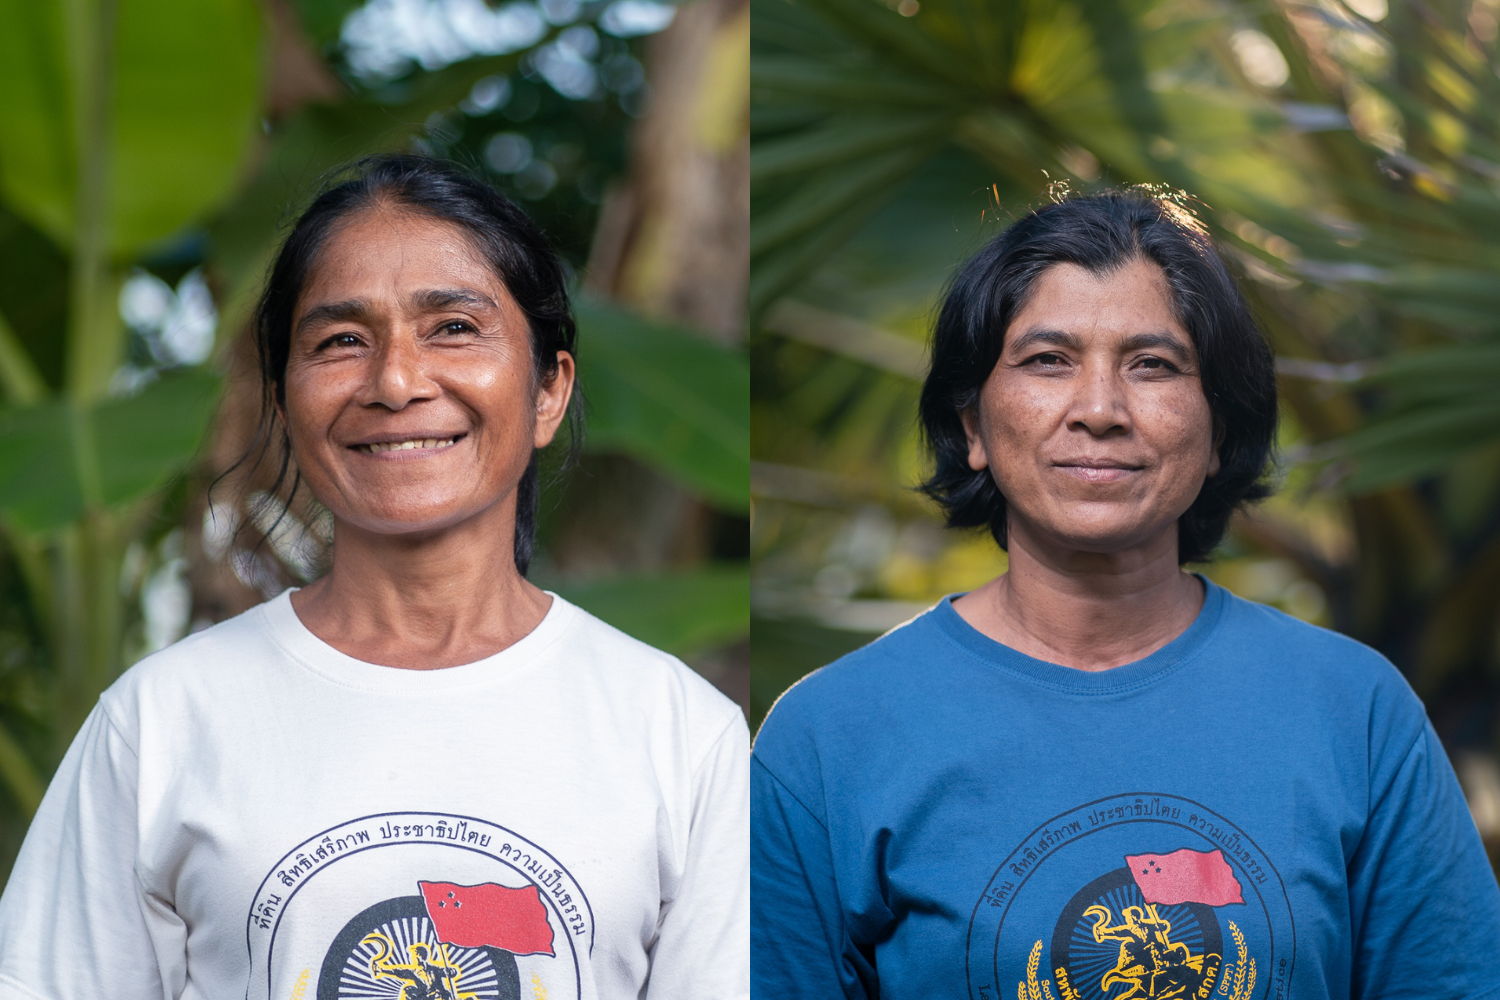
(408, 520)
(1105, 533)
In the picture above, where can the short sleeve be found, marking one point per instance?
(702, 941)
(799, 941)
(1425, 909)
(74, 922)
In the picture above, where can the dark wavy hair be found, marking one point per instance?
(1102, 232)
(505, 238)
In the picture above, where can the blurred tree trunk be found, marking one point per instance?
(297, 74)
(673, 243)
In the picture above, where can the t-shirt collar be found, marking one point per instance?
(296, 639)
(1115, 680)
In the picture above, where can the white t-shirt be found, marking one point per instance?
(252, 814)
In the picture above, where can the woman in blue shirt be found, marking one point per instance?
(1099, 775)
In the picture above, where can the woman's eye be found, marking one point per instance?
(340, 340)
(1048, 359)
(455, 326)
(1154, 363)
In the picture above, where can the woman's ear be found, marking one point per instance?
(978, 457)
(1213, 457)
(552, 400)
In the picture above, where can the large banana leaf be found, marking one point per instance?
(39, 484)
(682, 613)
(183, 95)
(33, 309)
(59, 457)
(670, 397)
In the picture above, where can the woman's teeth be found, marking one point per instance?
(409, 445)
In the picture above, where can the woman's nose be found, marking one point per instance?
(1100, 405)
(398, 374)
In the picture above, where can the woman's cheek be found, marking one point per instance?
(1026, 416)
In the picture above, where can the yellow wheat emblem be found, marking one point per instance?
(1031, 988)
(1242, 985)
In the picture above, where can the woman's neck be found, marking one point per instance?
(443, 599)
(1086, 610)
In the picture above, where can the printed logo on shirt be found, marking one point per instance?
(1135, 897)
(418, 906)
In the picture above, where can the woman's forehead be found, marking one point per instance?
(403, 257)
(1075, 303)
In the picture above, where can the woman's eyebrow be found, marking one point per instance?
(1057, 338)
(433, 299)
(1149, 341)
(1135, 342)
(428, 300)
(351, 310)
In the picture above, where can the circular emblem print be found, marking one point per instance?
(418, 906)
(393, 950)
(1133, 897)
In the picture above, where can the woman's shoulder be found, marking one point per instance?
(887, 671)
(208, 650)
(1328, 672)
(1270, 635)
(628, 669)
(201, 672)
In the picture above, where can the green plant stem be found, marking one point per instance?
(87, 619)
(85, 455)
(87, 607)
(19, 774)
(95, 334)
(32, 557)
(22, 383)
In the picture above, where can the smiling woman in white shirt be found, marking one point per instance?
(420, 776)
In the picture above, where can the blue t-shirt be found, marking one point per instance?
(1258, 809)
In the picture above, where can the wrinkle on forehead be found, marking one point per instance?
(394, 212)
(335, 253)
(1062, 281)
(1103, 273)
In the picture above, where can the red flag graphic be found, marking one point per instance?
(473, 916)
(1185, 877)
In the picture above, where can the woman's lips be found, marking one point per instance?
(425, 444)
(1091, 473)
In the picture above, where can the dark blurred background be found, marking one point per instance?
(151, 153)
(1347, 155)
